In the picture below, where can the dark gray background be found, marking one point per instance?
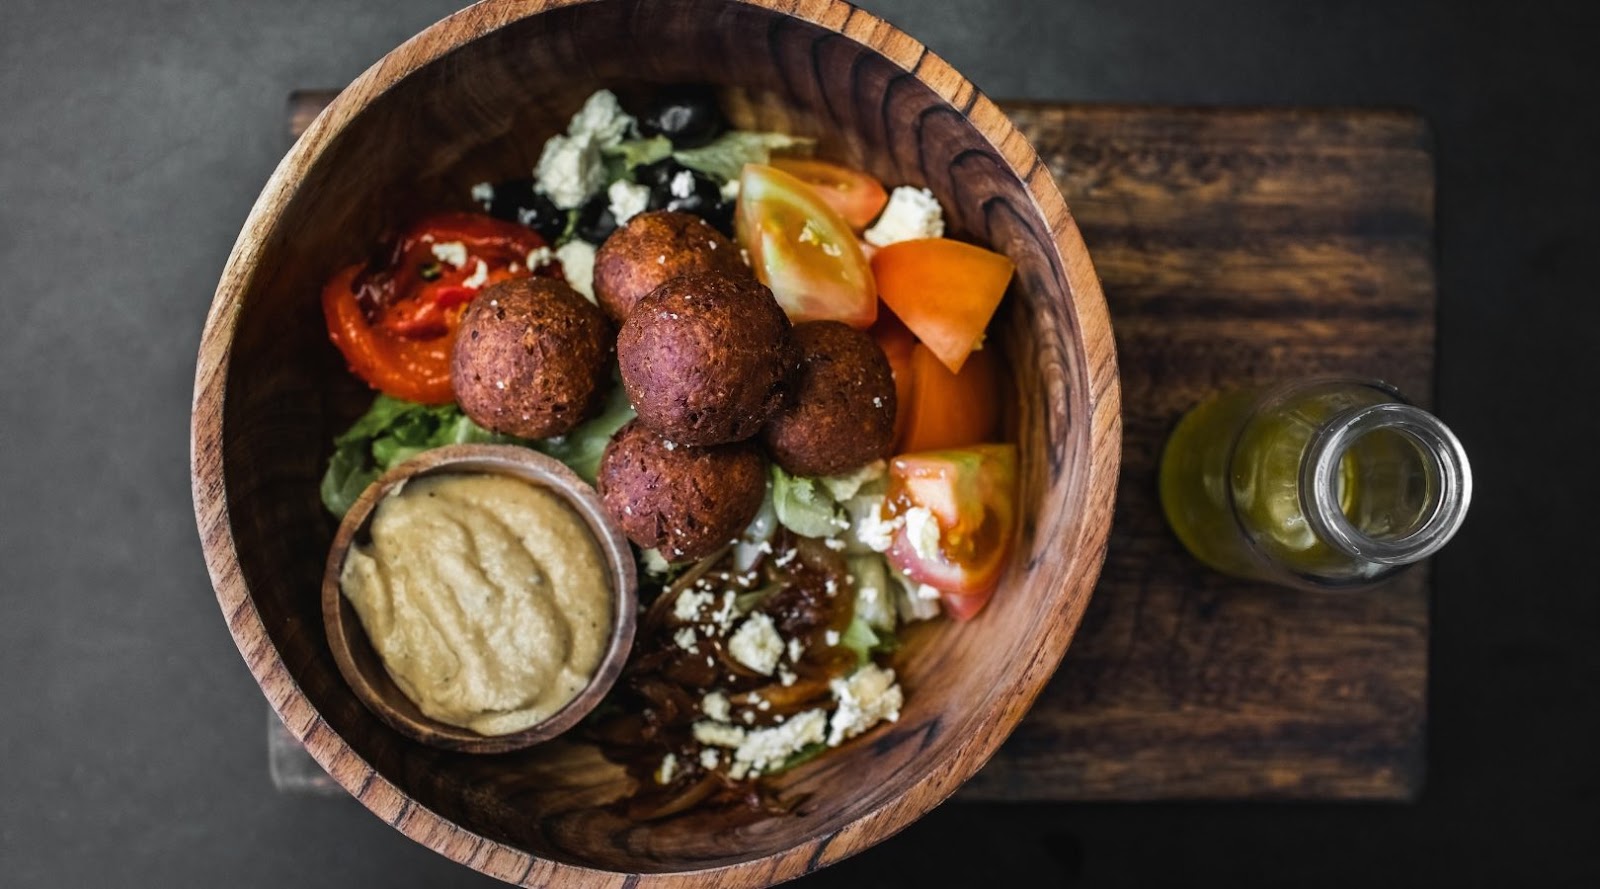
(134, 137)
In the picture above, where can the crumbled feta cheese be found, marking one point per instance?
(912, 213)
(730, 190)
(682, 184)
(796, 648)
(922, 529)
(654, 562)
(539, 257)
(602, 119)
(874, 597)
(834, 543)
(669, 766)
(914, 601)
(718, 734)
(709, 758)
(684, 638)
(483, 193)
(628, 199)
(577, 263)
(478, 278)
(715, 706)
(723, 619)
(786, 677)
(874, 531)
(570, 170)
(451, 253)
(867, 698)
(766, 748)
(756, 644)
(831, 637)
(689, 603)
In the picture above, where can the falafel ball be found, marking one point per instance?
(707, 358)
(686, 500)
(652, 249)
(841, 415)
(532, 358)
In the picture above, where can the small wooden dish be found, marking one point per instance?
(363, 668)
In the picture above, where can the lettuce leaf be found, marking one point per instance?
(390, 432)
(726, 155)
(582, 448)
(804, 506)
(638, 152)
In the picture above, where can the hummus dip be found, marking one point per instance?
(486, 597)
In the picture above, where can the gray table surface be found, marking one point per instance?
(134, 137)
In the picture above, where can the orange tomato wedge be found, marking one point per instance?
(897, 344)
(950, 410)
(945, 291)
(855, 196)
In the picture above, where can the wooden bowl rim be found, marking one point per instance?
(1098, 430)
(344, 628)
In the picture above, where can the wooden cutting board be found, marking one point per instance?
(1236, 247)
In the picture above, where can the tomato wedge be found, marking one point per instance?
(951, 410)
(394, 319)
(855, 196)
(897, 343)
(970, 496)
(945, 291)
(803, 250)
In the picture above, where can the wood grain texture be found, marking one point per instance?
(453, 107)
(1237, 247)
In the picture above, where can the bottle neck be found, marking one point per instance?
(1386, 483)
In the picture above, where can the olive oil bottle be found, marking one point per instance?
(1315, 484)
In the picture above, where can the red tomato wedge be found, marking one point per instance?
(395, 317)
(803, 250)
(949, 410)
(855, 196)
(971, 494)
(945, 291)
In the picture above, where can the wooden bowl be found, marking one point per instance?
(359, 662)
(473, 98)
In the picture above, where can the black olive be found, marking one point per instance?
(595, 222)
(517, 200)
(686, 191)
(687, 114)
(721, 217)
(657, 172)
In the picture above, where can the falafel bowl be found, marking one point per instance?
(445, 137)
(776, 372)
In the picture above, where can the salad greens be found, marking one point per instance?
(726, 155)
(389, 432)
(804, 506)
(393, 430)
(722, 158)
(582, 448)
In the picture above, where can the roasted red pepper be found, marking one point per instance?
(395, 318)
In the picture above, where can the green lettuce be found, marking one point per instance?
(726, 155)
(391, 431)
(804, 506)
(582, 448)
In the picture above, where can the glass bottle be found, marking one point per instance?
(1316, 484)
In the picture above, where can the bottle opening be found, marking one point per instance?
(1388, 483)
